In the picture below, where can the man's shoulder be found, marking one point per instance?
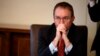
(78, 32)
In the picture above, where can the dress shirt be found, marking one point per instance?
(54, 49)
(92, 2)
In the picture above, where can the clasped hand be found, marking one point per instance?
(61, 28)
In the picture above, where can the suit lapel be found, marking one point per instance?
(72, 35)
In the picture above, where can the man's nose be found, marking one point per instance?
(62, 21)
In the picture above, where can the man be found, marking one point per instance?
(94, 12)
(62, 28)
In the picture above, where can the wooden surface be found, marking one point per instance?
(14, 41)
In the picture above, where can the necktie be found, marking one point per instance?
(61, 47)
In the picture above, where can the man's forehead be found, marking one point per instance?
(62, 10)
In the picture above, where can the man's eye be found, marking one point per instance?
(66, 18)
(57, 17)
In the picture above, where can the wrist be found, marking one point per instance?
(55, 41)
(67, 42)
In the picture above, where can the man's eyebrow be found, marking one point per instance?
(57, 16)
(62, 17)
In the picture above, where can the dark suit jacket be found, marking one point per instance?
(76, 36)
(94, 13)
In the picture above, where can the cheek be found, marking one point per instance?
(68, 24)
(56, 22)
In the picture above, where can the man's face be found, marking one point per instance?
(63, 16)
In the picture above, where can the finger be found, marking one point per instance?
(63, 31)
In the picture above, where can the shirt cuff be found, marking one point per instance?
(91, 3)
(52, 48)
(68, 49)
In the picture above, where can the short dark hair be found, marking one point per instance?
(64, 5)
